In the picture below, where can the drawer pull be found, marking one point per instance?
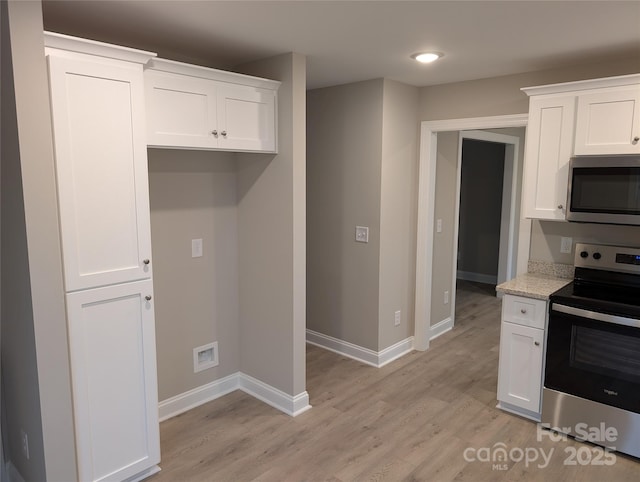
(536, 343)
(523, 311)
(148, 297)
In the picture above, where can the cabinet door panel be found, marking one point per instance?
(608, 122)
(113, 369)
(101, 164)
(520, 370)
(247, 117)
(181, 111)
(548, 151)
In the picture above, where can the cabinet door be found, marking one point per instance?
(181, 111)
(520, 367)
(608, 122)
(549, 146)
(101, 163)
(113, 372)
(246, 117)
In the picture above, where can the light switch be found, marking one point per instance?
(196, 248)
(566, 244)
(362, 234)
(439, 226)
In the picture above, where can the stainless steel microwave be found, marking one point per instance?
(604, 189)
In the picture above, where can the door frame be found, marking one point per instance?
(426, 211)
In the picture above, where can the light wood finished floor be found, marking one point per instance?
(410, 420)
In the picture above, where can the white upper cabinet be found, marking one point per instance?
(181, 111)
(608, 122)
(589, 117)
(198, 108)
(101, 161)
(548, 151)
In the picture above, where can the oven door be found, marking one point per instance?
(594, 355)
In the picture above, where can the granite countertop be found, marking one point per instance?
(533, 285)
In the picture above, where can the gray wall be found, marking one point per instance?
(398, 211)
(362, 171)
(344, 156)
(545, 238)
(445, 204)
(480, 206)
(35, 364)
(193, 195)
(271, 227)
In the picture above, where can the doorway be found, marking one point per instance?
(425, 274)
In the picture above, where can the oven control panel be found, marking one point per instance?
(612, 258)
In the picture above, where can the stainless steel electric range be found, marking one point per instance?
(592, 371)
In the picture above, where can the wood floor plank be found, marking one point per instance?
(411, 420)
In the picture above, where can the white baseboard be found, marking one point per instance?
(193, 398)
(289, 404)
(364, 355)
(12, 473)
(477, 277)
(440, 328)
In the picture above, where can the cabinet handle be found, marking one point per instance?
(215, 133)
(536, 343)
(224, 133)
(523, 311)
(148, 297)
(560, 206)
(636, 139)
(146, 261)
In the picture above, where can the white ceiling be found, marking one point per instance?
(347, 41)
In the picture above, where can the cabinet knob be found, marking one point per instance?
(146, 261)
(215, 133)
(560, 206)
(224, 133)
(636, 139)
(523, 311)
(536, 343)
(148, 297)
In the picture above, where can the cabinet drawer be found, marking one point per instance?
(524, 311)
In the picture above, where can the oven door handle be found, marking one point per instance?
(594, 315)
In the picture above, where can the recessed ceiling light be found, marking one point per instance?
(426, 57)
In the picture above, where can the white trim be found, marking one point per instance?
(367, 356)
(440, 328)
(144, 474)
(395, 351)
(291, 405)
(477, 277)
(426, 208)
(92, 47)
(173, 67)
(616, 81)
(12, 473)
(193, 398)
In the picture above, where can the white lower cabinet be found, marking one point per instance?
(113, 371)
(520, 368)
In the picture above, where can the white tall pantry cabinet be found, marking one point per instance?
(97, 105)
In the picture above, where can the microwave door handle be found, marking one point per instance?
(594, 315)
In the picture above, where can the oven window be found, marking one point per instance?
(614, 190)
(606, 353)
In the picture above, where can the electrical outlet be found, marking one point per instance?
(566, 244)
(446, 297)
(439, 225)
(25, 443)
(397, 318)
(196, 248)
